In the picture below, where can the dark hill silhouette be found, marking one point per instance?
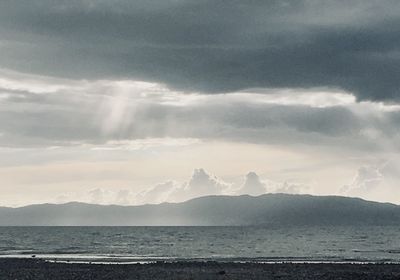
(264, 210)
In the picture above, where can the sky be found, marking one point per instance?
(133, 102)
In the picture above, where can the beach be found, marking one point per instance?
(39, 269)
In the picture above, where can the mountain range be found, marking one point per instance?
(264, 210)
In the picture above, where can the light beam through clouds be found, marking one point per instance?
(93, 124)
(119, 103)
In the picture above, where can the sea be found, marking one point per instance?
(237, 244)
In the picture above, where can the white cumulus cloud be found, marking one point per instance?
(253, 185)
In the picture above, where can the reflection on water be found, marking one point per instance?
(217, 243)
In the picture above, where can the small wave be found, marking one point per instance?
(393, 251)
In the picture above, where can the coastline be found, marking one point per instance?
(129, 259)
(11, 268)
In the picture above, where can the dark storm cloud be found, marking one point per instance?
(210, 46)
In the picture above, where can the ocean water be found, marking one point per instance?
(142, 244)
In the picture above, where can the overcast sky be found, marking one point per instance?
(132, 102)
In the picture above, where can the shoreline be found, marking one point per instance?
(39, 270)
(102, 259)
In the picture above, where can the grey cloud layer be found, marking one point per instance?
(95, 113)
(210, 46)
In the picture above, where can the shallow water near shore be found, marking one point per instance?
(239, 244)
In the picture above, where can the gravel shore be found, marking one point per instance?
(16, 269)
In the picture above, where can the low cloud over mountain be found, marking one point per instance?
(200, 184)
(253, 185)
